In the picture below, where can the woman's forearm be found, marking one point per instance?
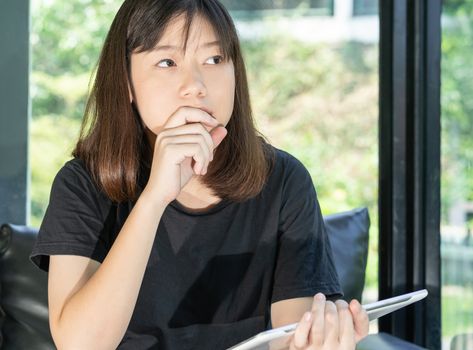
(97, 316)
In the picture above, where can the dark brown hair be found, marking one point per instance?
(112, 140)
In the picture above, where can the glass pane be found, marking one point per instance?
(256, 8)
(314, 90)
(313, 83)
(457, 175)
(65, 49)
(251, 5)
(365, 7)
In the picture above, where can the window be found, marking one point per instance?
(59, 83)
(365, 7)
(247, 9)
(457, 173)
(314, 90)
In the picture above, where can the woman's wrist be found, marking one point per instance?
(153, 199)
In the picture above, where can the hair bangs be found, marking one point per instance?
(147, 26)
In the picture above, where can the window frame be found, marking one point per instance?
(409, 160)
(409, 140)
(14, 111)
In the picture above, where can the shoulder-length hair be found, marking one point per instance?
(112, 140)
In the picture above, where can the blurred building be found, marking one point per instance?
(308, 20)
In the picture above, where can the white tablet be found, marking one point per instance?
(279, 338)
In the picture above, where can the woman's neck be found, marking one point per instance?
(195, 195)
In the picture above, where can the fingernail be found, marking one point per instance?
(308, 316)
(319, 296)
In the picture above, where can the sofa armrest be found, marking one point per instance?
(24, 288)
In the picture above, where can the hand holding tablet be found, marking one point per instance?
(277, 339)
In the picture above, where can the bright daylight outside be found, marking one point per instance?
(457, 174)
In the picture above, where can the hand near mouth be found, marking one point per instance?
(184, 148)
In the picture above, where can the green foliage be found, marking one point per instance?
(457, 303)
(457, 155)
(59, 94)
(53, 139)
(309, 101)
(457, 8)
(68, 35)
(457, 107)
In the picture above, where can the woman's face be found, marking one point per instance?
(167, 78)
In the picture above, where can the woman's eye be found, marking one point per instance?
(214, 60)
(166, 63)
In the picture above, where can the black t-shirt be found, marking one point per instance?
(212, 275)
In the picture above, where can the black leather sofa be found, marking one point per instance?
(23, 287)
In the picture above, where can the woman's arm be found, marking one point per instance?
(289, 311)
(91, 304)
(91, 307)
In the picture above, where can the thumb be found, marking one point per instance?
(218, 134)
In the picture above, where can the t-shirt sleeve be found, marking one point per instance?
(304, 264)
(74, 220)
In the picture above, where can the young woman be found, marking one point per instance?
(175, 225)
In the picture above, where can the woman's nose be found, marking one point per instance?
(193, 84)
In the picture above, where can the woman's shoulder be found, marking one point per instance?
(75, 165)
(288, 173)
(73, 187)
(73, 170)
(74, 175)
(287, 163)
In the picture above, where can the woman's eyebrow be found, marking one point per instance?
(176, 48)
